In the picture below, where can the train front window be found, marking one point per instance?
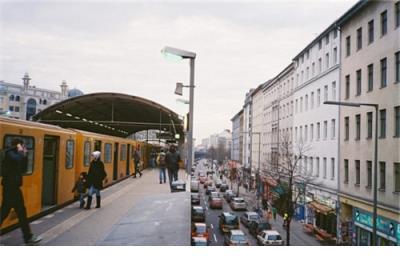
(86, 154)
(69, 154)
(29, 143)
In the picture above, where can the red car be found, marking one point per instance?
(202, 179)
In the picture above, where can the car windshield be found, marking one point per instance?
(214, 194)
(274, 237)
(254, 217)
(200, 243)
(263, 225)
(201, 229)
(231, 219)
(239, 200)
(198, 210)
(239, 238)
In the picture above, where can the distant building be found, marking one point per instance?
(237, 135)
(24, 101)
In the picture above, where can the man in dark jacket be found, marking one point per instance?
(96, 175)
(136, 159)
(14, 165)
(173, 159)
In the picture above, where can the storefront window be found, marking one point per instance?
(363, 237)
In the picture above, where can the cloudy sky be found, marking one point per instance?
(100, 46)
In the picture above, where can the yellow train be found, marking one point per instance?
(56, 157)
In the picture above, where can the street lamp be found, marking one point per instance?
(170, 52)
(375, 201)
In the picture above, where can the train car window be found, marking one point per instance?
(29, 143)
(97, 145)
(123, 152)
(86, 154)
(107, 152)
(69, 154)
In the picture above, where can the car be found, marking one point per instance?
(229, 195)
(214, 194)
(216, 202)
(200, 230)
(210, 189)
(249, 217)
(228, 221)
(223, 187)
(202, 179)
(207, 183)
(199, 241)
(198, 214)
(269, 238)
(238, 203)
(236, 238)
(178, 186)
(194, 186)
(256, 227)
(195, 199)
(218, 183)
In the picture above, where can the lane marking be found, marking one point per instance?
(59, 211)
(215, 238)
(49, 216)
(212, 226)
(37, 222)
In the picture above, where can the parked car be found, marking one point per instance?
(199, 241)
(178, 186)
(223, 187)
(257, 227)
(269, 238)
(228, 221)
(195, 199)
(218, 183)
(216, 202)
(249, 217)
(207, 183)
(200, 230)
(194, 186)
(238, 203)
(229, 195)
(236, 238)
(210, 189)
(214, 194)
(202, 179)
(198, 214)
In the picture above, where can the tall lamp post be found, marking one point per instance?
(183, 54)
(375, 201)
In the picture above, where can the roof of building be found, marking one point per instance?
(111, 114)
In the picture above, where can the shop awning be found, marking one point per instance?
(270, 181)
(320, 208)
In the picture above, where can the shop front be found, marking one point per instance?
(322, 217)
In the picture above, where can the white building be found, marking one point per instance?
(256, 131)
(247, 128)
(24, 101)
(237, 133)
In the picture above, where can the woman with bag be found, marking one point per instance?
(96, 175)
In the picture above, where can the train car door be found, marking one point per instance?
(128, 159)
(116, 146)
(50, 171)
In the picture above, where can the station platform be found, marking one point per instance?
(134, 212)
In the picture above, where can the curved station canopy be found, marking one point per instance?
(111, 114)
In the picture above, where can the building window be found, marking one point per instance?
(348, 46)
(311, 132)
(383, 23)
(359, 38)
(369, 125)
(318, 131)
(318, 97)
(333, 129)
(358, 74)
(11, 98)
(325, 93)
(11, 108)
(397, 121)
(332, 168)
(305, 133)
(383, 72)
(346, 128)
(382, 177)
(327, 61)
(347, 87)
(346, 171)
(319, 65)
(317, 166)
(397, 14)
(17, 98)
(325, 130)
(311, 169)
(334, 90)
(335, 56)
(313, 69)
(297, 106)
(396, 167)
(335, 33)
(306, 103)
(397, 68)
(357, 164)
(370, 77)
(307, 73)
(16, 109)
(312, 101)
(324, 168)
(382, 114)
(301, 104)
(369, 174)
(327, 39)
(370, 31)
(358, 126)
(319, 44)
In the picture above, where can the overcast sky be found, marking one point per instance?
(100, 46)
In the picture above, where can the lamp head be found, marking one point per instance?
(179, 88)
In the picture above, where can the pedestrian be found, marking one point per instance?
(172, 158)
(14, 165)
(153, 156)
(161, 162)
(136, 159)
(274, 213)
(96, 175)
(81, 186)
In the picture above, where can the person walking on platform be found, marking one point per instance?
(14, 165)
(173, 159)
(136, 159)
(161, 162)
(80, 186)
(96, 175)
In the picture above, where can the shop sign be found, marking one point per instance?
(384, 225)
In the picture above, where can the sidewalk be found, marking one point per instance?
(137, 211)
